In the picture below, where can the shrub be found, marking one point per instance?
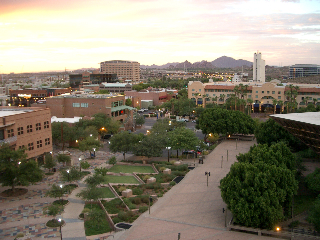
(136, 200)
(116, 220)
(294, 224)
(112, 160)
(146, 177)
(53, 210)
(137, 191)
(178, 173)
(129, 203)
(162, 169)
(142, 209)
(19, 235)
(172, 183)
(122, 188)
(144, 199)
(160, 195)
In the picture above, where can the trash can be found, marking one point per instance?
(200, 160)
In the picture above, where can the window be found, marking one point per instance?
(193, 90)
(249, 96)
(22, 146)
(279, 97)
(256, 96)
(29, 128)
(38, 126)
(47, 141)
(199, 90)
(30, 146)
(39, 144)
(75, 104)
(268, 92)
(256, 91)
(10, 133)
(20, 130)
(262, 91)
(279, 92)
(46, 124)
(273, 92)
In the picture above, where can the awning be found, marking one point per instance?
(119, 108)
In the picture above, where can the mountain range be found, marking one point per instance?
(221, 62)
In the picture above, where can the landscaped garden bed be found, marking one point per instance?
(114, 206)
(95, 221)
(106, 192)
(145, 189)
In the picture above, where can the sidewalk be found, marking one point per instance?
(191, 208)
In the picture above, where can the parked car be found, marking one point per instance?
(194, 121)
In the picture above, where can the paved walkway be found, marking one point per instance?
(191, 208)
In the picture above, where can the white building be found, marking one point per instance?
(259, 70)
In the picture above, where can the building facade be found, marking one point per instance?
(303, 70)
(86, 78)
(26, 97)
(263, 95)
(27, 127)
(89, 105)
(124, 69)
(259, 69)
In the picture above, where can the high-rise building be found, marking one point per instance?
(303, 70)
(124, 69)
(259, 69)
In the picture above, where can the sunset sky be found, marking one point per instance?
(41, 35)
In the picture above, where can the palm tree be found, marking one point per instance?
(315, 102)
(274, 101)
(292, 95)
(280, 103)
(215, 99)
(249, 101)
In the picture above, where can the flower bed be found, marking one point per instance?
(145, 189)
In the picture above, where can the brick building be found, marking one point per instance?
(89, 104)
(156, 97)
(27, 127)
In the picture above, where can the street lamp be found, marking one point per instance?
(61, 186)
(94, 152)
(208, 174)
(80, 163)
(68, 171)
(168, 148)
(60, 224)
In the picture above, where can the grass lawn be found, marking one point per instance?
(107, 193)
(131, 169)
(120, 179)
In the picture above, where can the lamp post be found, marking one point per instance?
(61, 186)
(68, 171)
(60, 224)
(168, 148)
(207, 174)
(94, 152)
(80, 163)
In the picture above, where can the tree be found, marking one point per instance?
(16, 170)
(182, 139)
(49, 162)
(259, 188)
(128, 102)
(222, 121)
(63, 158)
(73, 175)
(84, 164)
(313, 181)
(123, 142)
(62, 132)
(90, 194)
(139, 119)
(149, 146)
(95, 180)
(55, 191)
(271, 132)
(291, 96)
(314, 214)
(89, 144)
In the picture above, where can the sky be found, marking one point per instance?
(43, 35)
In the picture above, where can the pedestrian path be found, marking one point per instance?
(191, 209)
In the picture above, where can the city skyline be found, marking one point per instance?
(41, 35)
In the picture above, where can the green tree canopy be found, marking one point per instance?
(313, 181)
(314, 214)
(222, 121)
(150, 146)
(123, 142)
(89, 144)
(258, 190)
(16, 170)
(270, 132)
(183, 139)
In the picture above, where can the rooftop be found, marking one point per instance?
(307, 117)
(10, 112)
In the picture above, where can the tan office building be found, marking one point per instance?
(27, 127)
(125, 70)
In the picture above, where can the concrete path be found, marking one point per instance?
(191, 208)
(74, 228)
